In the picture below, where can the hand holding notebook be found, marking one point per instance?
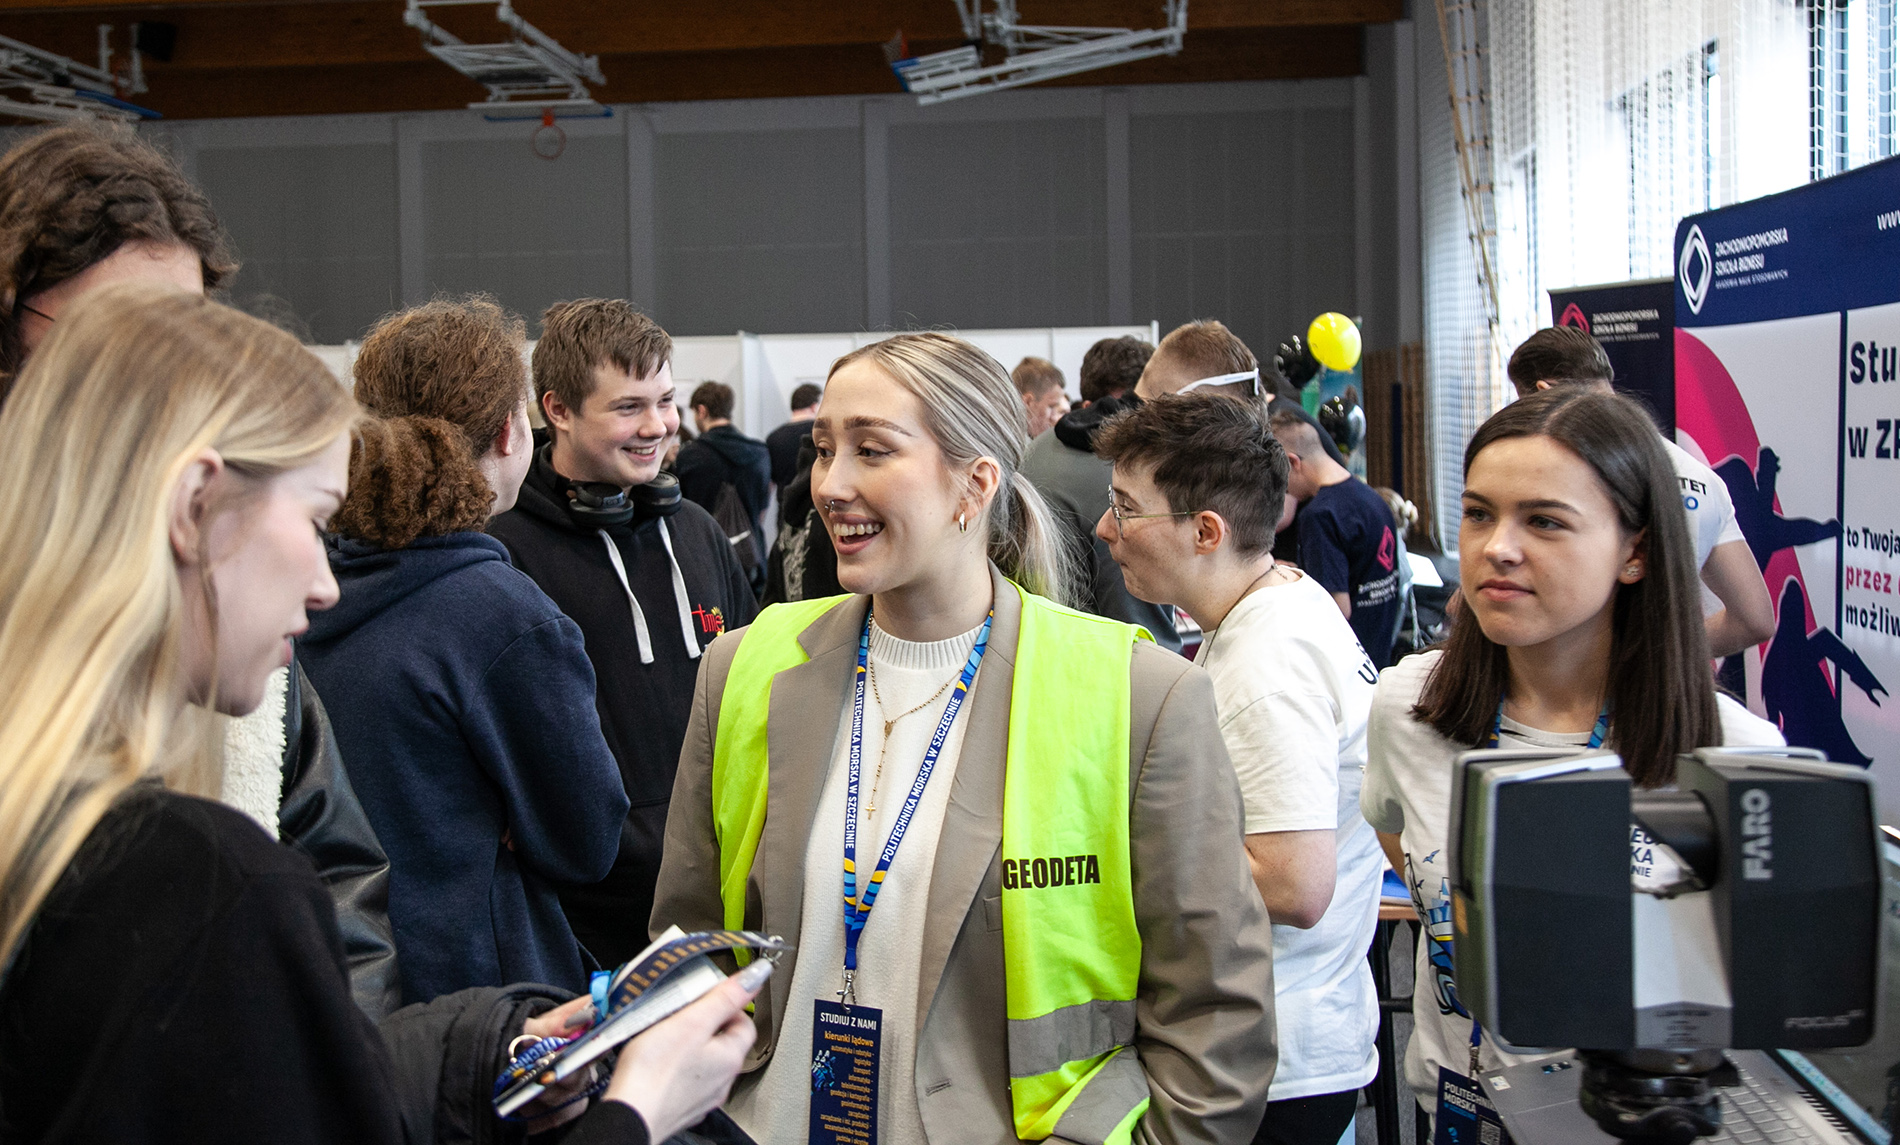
(684, 1068)
(666, 977)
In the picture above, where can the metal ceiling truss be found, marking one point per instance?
(1032, 52)
(39, 85)
(527, 76)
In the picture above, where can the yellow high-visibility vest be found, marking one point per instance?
(1071, 950)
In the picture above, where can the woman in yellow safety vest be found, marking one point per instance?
(1004, 835)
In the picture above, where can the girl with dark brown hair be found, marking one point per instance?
(87, 204)
(462, 697)
(1581, 628)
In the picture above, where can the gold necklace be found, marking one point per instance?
(877, 777)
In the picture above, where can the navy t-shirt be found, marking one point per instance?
(1347, 545)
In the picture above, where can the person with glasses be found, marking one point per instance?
(86, 205)
(1004, 835)
(1196, 492)
(1207, 357)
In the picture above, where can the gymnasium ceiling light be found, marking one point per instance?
(527, 76)
(1032, 52)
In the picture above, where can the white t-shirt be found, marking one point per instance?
(1293, 688)
(1408, 793)
(1711, 513)
(774, 1104)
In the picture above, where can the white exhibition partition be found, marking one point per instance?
(776, 364)
(764, 369)
(338, 358)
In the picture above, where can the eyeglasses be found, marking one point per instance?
(1122, 519)
(1250, 376)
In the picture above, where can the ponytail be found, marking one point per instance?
(1025, 543)
(412, 477)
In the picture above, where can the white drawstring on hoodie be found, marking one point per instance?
(640, 632)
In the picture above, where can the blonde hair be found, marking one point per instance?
(129, 387)
(972, 410)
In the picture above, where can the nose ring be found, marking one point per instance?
(831, 505)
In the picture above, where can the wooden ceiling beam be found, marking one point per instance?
(1301, 53)
(236, 34)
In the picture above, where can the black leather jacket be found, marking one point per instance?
(319, 815)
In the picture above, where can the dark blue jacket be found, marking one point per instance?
(463, 702)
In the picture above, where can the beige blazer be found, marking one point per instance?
(1204, 1015)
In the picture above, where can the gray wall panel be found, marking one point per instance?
(760, 231)
(1027, 208)
(1244, 216)
(530, 231)
(316, 228)
(999, 223)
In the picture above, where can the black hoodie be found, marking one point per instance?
(643, 705)
(722, 455)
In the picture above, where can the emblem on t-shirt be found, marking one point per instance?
(1388, 549)
(1438, 937)
(712, 621)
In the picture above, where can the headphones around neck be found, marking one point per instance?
(598, 504)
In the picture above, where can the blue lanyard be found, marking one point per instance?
(856, 911)
(1597, 733)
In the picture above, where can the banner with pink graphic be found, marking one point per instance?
(1788, 385)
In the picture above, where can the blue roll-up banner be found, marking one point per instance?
(1635, 323)
(1787, 384)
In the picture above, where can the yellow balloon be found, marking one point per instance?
(1334, 340)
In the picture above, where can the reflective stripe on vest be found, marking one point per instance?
(1072, 952)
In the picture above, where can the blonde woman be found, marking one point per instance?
(1005, 835)
(171, 972)
(83, 205)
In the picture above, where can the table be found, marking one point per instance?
(1385, 1085)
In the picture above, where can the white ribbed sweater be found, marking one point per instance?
(774, 1105)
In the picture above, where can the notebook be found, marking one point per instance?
(671, 974)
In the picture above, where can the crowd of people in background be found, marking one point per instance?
(508, 701)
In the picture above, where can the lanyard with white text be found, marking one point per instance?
(856, 910)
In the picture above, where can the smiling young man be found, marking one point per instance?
(649, 577)
(1197, 487)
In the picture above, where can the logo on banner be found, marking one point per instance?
(1695, 283)
(1574, 316)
